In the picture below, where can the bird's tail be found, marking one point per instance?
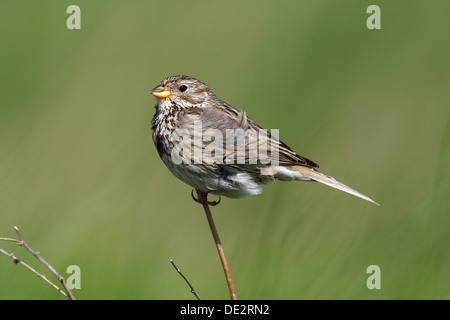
(310, 173)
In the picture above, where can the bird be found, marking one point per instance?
(218, 149)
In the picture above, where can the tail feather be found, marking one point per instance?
(330, 181)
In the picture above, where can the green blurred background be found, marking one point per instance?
(80, 177)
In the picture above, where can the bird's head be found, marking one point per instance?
(184, 91)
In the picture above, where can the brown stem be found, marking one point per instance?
(203, 199)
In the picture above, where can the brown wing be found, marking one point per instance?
(286, 156)
(289, 157)
(224, 117)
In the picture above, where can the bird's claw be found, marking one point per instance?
(203, 198)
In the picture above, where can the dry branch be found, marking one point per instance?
(21, 242)
(185, 279)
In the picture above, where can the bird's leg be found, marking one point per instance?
(202, 198)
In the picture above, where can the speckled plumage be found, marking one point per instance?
(183, 104)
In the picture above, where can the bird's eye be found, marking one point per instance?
(183, 88)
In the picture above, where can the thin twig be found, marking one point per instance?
(9, 239)
(40, 275)
(203, 199)
(185, 279)
(45, 263)
(23, 243)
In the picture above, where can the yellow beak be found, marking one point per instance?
(161, 92)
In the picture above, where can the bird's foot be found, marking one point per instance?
(202, 198)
